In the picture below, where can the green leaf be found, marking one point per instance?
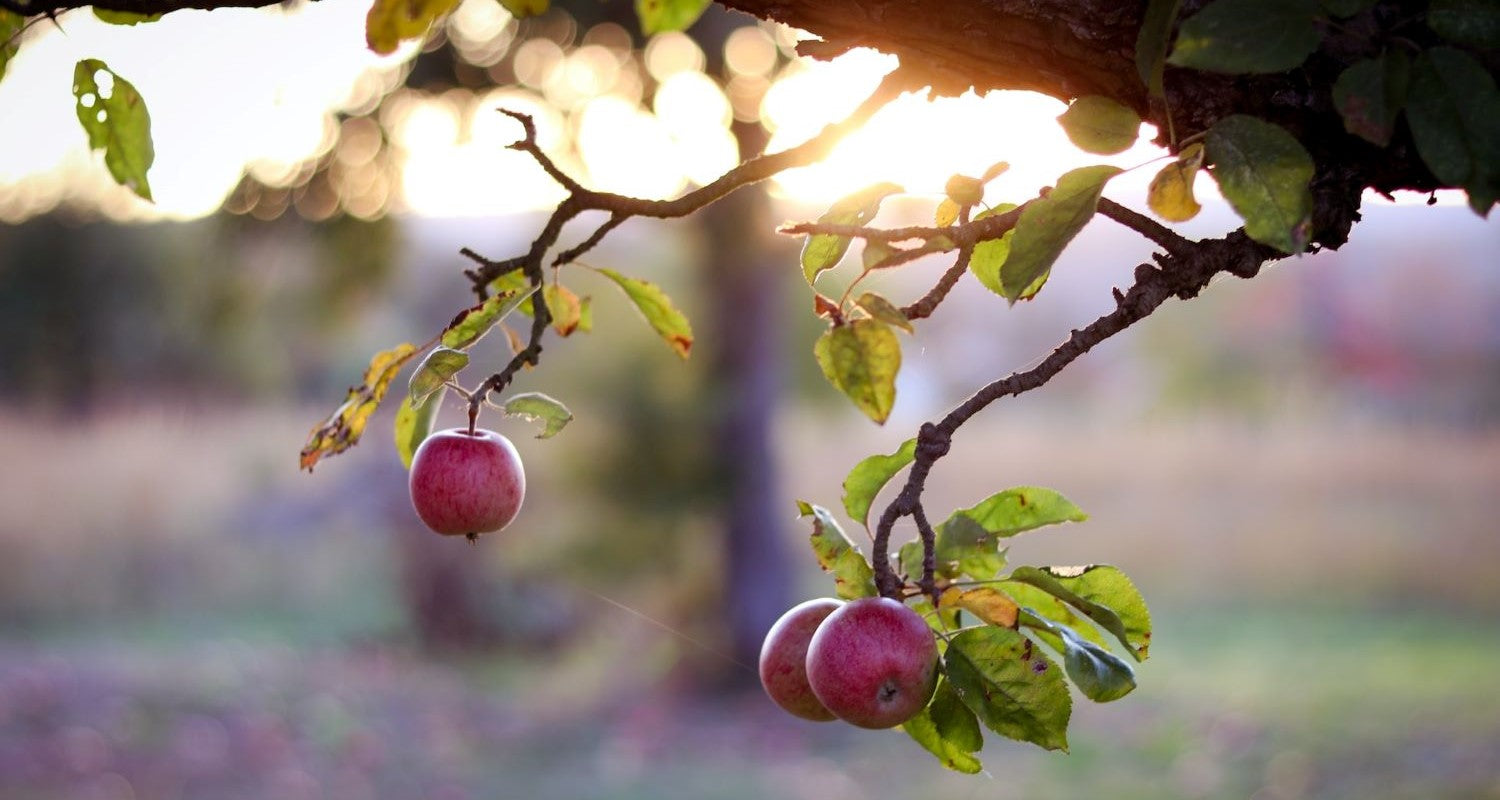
(990, 255)
(964, 547)
(1022, 509)
(342, 429)
(947, 729)
(874, 254)
(471, 324)
(1370, 94)
(414, 423)
(520, 9)
(884, 310)
(124, 17)
(852, 576)
(10, 38)
(1151, 43)
(1103, 594)
(654, 304)
(1171, 193)
(871, 475)
(861, 359)
(1098, 124)
(823, 251)
(115, 118)
(1101, 675)
(1453, 109)
(1014, 689)
(1475, 23)
(1264, 173)
(538, 407)
(662, 16)
(435, 370)
(1046, 226)
(389, 22)
(1041, 603)
(1241, 37)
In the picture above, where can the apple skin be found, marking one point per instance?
(783, 659)
(463, 483)
(873, 663)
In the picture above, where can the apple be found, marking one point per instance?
(873, 663)
(466, 483)
(783, 659)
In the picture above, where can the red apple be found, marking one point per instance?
(466, 483)
(873, 663)
(783, 659)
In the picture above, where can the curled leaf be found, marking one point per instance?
(434, 371)
(539, 407)
(343, 428)
(1171, 194)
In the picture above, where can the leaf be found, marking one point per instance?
(586, 315)
(538, 407)
(1151, 43)
(663, 16)
(1240, 37)
(947, 729)
(1101, 675)
(654, 304)
(1098, 124)
(566, 308)
(1453, 109)
(115, 118)
(414, 423)
(1022, 509)
(343, 428)
(870, 475)
(984, 602)
(1010, 685)
(1264, 173)
(822, 251)
(852, 576)
(124, 17)
(964, 190)
(990, 255)
(946, 213)
(1046, 226)
(520, 9)
(995, 170)
(390, 22)
(1370, 94)
(1103, 594)
(10, 38)
(1171, 194)
(861, 359)
(884, 310)
(964, 547)
(471, 324)
(874, 253)
(434, 371)
(1039, 602)
(1475, 23)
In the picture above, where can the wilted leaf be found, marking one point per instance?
(521, 9)
(434, 371)
(1014, 689)
(414, 423)
(1046, 226)
(1241, 37)
(389, 22)
(1264, 173)
(1371, 93)
(822, 251)
(662, 16)
(884, 310)
(471, 324)
(347, 423)
(949, 730)
(1101, 675)
(669, 323)
(1103, 594)
(1472, 22)
(1098, 124)
(990, 255)
(1151, 42)
(861, 359)
(871, 475)
(984, 602)
(538, 407)
(115, 118)
(1171, 194)
(852, 576)
(1453, 109)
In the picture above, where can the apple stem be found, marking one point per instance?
(473, 416)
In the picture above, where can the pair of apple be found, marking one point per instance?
(871, 662)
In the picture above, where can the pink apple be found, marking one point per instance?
(783, 659)
(466, 483)
(873, 663)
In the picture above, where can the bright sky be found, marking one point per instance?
(257, 90)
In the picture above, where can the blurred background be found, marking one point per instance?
(1301, 472)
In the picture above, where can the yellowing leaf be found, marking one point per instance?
(414, 423)
(115, 118)
(662, 16)
(343, 428)
(525, 8)
(946, 213)
(852, 576)
(861, 360)
(471, 324)
(1171, 192)
(391, 22)
(964, 190)
(566, 308)
(983, 602)
(657, 308)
